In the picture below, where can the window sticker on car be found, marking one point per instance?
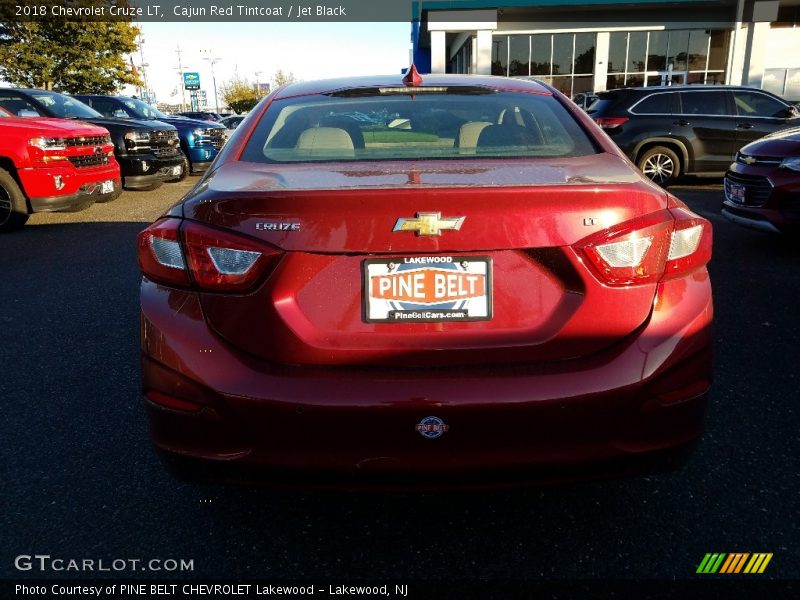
(427, 289)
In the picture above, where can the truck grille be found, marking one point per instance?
(214, 136)
(89, 160)
(756, 189)
(95, 140)
(164, 143)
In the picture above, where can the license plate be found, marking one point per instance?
(735, 191)
(435, 289)
(176, 171)
(107, 186)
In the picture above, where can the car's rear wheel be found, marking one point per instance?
(13, 208)
(661, 165)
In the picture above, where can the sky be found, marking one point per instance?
(308, 50)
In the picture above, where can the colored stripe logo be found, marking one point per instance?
(735, 562)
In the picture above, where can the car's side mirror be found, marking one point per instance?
(26, 112)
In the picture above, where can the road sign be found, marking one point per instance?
(191, 81)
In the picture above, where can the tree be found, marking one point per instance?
(69, 55)
(280, 78)
(240, 94)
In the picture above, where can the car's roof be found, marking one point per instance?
(324, 86)
(29, 90)
(680, 87)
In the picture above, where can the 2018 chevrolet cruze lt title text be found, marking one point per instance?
(451, 278)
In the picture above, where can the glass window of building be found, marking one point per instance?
(500, 55)
(519, 56)
(564, 60)
(617, 52)
(679, 56)
(541, 54)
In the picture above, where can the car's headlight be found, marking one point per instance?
(792, 163)
(137, 136)
(45, 143)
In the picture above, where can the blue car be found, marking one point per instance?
(200, 140)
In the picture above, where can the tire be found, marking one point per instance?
(149, 188)
(13, 207)
(111, 198)
(661, 165)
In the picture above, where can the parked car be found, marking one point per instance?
(337, 302)
(148, 152)
(201, 115)
(694, 129)
(53, 165)
(200, 140)
(762, 186)
(585, 99)
(233, 122)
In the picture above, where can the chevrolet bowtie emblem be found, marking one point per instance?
(748, 160)
(429, 223)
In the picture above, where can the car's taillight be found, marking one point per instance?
(690, 246)
(610, 122)
(161, 257)
(668, 243)
(184, 253)
(221, 261)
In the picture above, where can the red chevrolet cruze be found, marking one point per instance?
(449, 279)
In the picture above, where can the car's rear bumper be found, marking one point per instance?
(647, 394)
(754, 218)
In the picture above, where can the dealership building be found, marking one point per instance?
(593, 45)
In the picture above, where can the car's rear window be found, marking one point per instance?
(603, 103)
(400, 126)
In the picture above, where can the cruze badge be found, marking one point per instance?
(429, 223)
(272, 226)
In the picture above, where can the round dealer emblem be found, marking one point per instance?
(432, 427)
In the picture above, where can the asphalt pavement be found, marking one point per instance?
(79, 478)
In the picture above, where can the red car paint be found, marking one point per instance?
(86, 161)
(580, 361)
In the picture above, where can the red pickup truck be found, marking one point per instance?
(53, 165)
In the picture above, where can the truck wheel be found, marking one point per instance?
(117, 193)
(661, 165)
(13, 208)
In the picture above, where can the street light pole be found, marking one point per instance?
(180, 77)
(144, 69)
(213, 61)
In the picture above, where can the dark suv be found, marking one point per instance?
(688, 130)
